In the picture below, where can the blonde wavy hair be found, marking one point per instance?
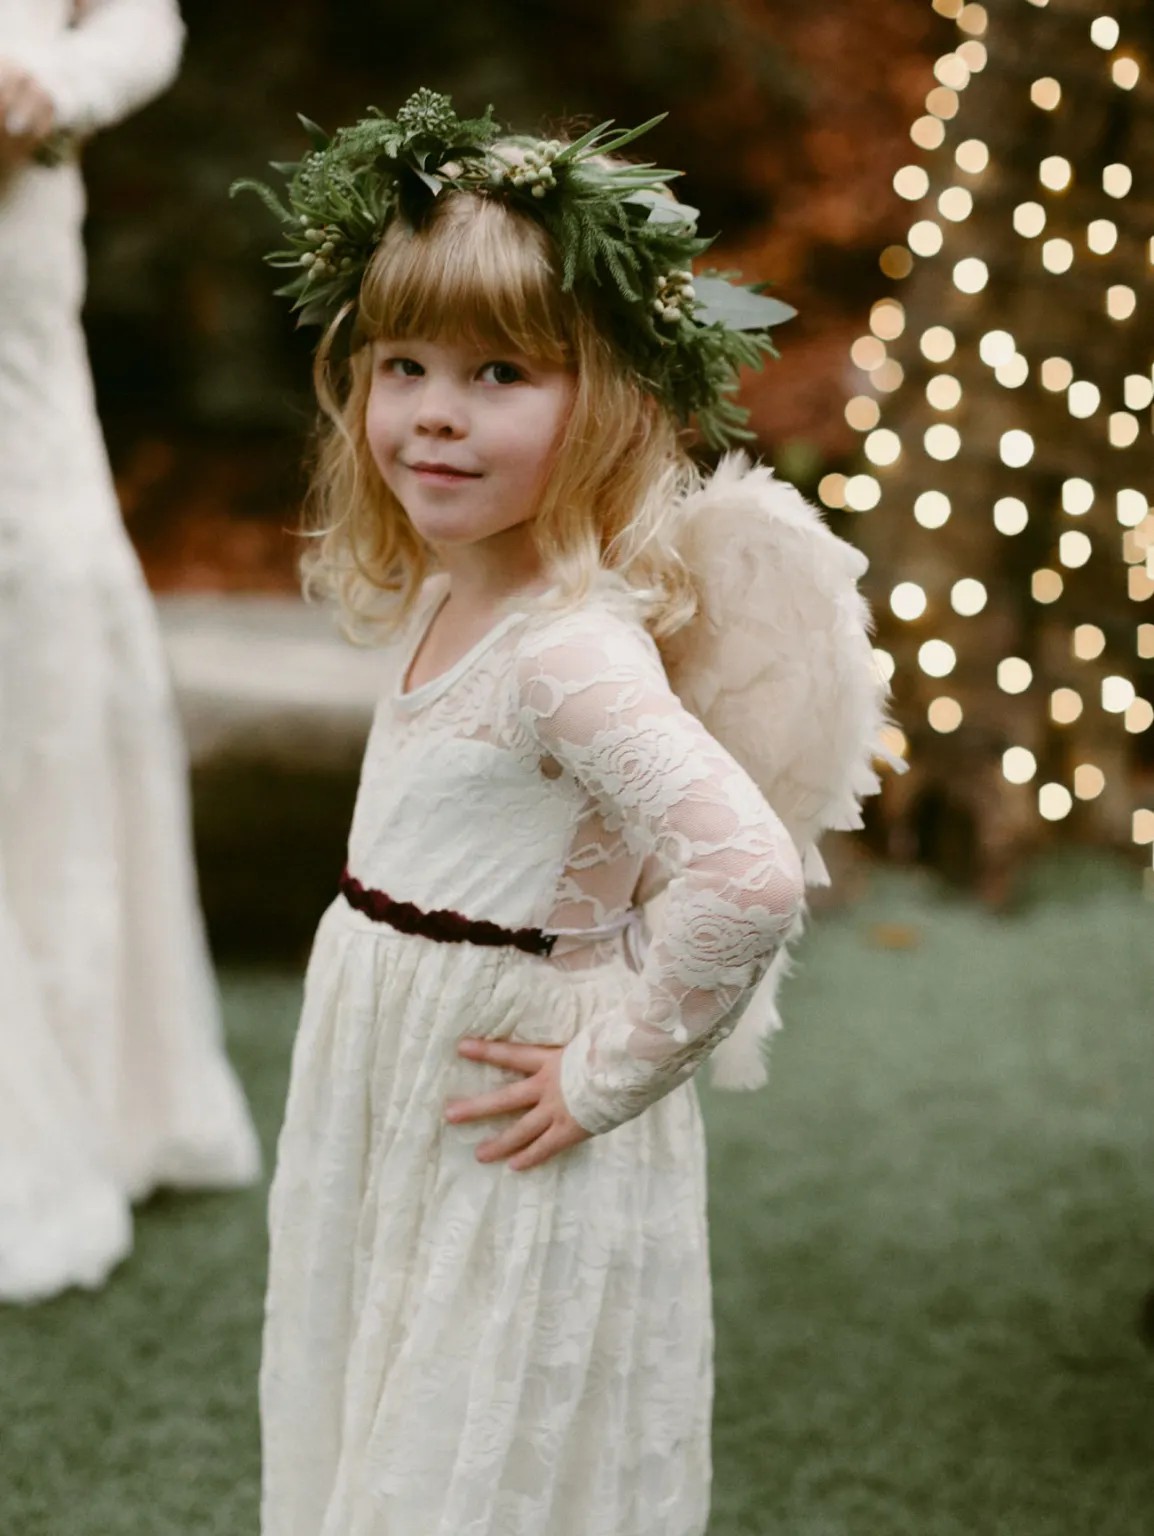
(481, 272)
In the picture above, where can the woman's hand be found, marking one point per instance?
(27, 115)
(544, 1128)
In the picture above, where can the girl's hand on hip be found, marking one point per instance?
(544, 1126)
(27, 115)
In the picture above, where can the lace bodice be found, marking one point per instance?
(534, 783)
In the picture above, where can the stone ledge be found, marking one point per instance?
(267, 679)
(275, 707)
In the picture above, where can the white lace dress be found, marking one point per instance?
(112, 1074)
(453, 1348)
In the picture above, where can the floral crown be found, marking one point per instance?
(625, 245)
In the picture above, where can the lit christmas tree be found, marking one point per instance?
(1007, 427)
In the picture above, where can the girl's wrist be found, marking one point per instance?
(574, 1084)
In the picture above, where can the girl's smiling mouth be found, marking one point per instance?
(449, 472)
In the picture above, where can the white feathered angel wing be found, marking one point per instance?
(779, 667)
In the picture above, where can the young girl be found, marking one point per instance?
(488, 1306)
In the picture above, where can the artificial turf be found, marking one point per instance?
(932, 1239)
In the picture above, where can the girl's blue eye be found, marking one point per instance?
(502, 373)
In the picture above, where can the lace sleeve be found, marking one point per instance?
(118, 55)
(598, 702)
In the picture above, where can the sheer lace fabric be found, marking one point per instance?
(598, 702)
(451, 1348)
(112, 1072)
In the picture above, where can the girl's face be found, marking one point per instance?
(464, 438)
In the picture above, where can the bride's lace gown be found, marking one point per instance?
(112, 1075)
(453, 1348)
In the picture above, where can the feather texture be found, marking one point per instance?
(778, 666)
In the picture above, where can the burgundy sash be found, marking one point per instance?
(444, 926)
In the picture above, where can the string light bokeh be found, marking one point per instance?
(1039, 441)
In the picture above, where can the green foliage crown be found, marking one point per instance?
(625, 246)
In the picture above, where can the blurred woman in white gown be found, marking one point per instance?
(113, 1077)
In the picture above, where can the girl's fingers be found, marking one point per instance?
(507, 1053)
(527, 1129)
(541, 1150)
(501, 1101)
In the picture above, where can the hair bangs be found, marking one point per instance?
(475, 271)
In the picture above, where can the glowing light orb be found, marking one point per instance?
(1057, 255)
(1077, 496)
(1089, 781)
(1083, 398)
(925, 238)
(883, 446)
(955, 204)
(1089, 642)
(942, 441)
(932, 509)
(938, 344)
(862, 413)
(862, 493)
(908, 601)
(1118, 693)
(1125, 73)
(1010, 515)
(968, 597)
(944, 715)
(1016, 448)
(971, 274)
(911, 182)
(937, 658)
(996, 348)
(1014, 675)
(1046, 93)
(1013, 375)
(1019, 765)
(1074, 549)
(1056, 374)
(972, 156)
(943, 392)
(1122, 429)
(1065, 706)
(887, 319)
(1054, 802)
(1056, 173)
(1029, 220)
(1132, 507)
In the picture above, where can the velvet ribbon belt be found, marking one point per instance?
(448, 927)
(445, 926)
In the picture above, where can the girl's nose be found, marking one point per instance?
(440, 411)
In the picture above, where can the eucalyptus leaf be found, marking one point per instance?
(740, 309)
(664, 210)
(434, 183)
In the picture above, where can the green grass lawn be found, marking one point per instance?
(932, 1238)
